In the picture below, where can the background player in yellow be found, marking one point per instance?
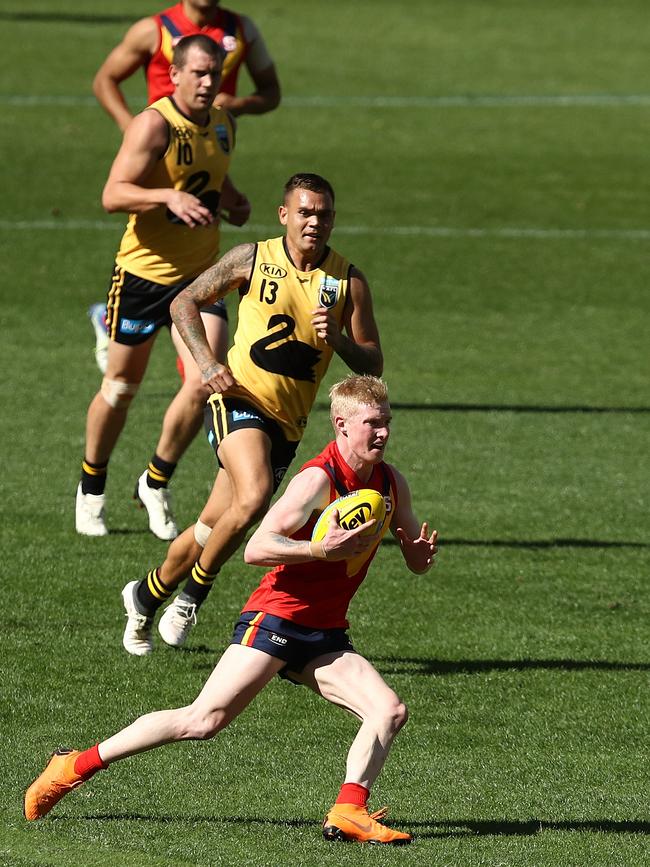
(171, 175)
(302, 301)
(148, 45)
(307, 642)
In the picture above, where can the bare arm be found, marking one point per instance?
(417, 546)
(261, 69)
(265, 98)
(133, 52)
(235, 207)
(306, 493)
(145, 141)
(360, 349)
(229, 273)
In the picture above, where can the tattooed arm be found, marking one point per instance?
(229, 273)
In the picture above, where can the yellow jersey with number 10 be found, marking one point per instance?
(158, 245)
(277, 359)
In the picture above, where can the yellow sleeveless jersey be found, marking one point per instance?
(157, 245)
(277, 359)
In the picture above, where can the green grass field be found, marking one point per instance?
(490, 162)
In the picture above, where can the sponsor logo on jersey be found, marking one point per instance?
(277, 639)
(182, 133)
(222, 137)
(243, 415)
(272, 270)
(328, 291)
(137, 326)
(229, 42)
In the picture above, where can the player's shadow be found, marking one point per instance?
(510, 828)
(421, 828)
(422, 666)
(518, 407)
(604, 544)
(68, 17)
(506, 407)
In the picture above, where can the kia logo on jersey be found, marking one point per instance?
(272, 270)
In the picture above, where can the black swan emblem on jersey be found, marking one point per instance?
(197, 185)
(292, 358)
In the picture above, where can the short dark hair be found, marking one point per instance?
(308, 181)
(198, 40)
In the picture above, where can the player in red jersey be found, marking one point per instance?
(149, 43)
(295, 623)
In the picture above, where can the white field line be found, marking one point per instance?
(390, 102)
(513, 232)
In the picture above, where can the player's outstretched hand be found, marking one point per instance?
(419, 552)
(218, 377)
(340, 544)
(189, 209)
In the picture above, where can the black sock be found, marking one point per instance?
(151, 593)
(93, 477)
(159, 472)
(198, 585)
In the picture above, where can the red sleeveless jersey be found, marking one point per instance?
(317, 593)
(172, 26)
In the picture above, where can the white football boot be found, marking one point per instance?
(97, 314)
(137, 634)
(89, 514)
(157, 502)
(176, 622)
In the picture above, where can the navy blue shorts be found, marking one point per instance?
(296, 645)
(137, 308)
(223, 415)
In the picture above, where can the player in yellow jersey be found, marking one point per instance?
(301, 302)
(148, 45)
(171, 175)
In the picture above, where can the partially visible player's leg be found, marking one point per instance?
(104, 423)
(97, 315)
(351, 682)
(181, 424)
(237, 678)
(143, 598)
(247, 490)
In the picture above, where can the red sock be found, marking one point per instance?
(353, 793)
(88, 763)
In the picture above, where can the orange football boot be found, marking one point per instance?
(352, 822)
(57, 780)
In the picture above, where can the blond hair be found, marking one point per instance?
(355, 391)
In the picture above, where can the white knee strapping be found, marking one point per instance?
(201, 533)
(118, 394)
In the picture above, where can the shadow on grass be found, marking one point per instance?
(506, 407)
(421, 829)
(543, 543)
(530, 827)
(531, 543)
(516, 407)
(420, 665)
(67, 17)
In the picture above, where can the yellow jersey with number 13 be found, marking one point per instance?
(158, 245)
(277, 358)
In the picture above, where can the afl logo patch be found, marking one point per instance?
(271, 270)
(222, 137)
(328, 292)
